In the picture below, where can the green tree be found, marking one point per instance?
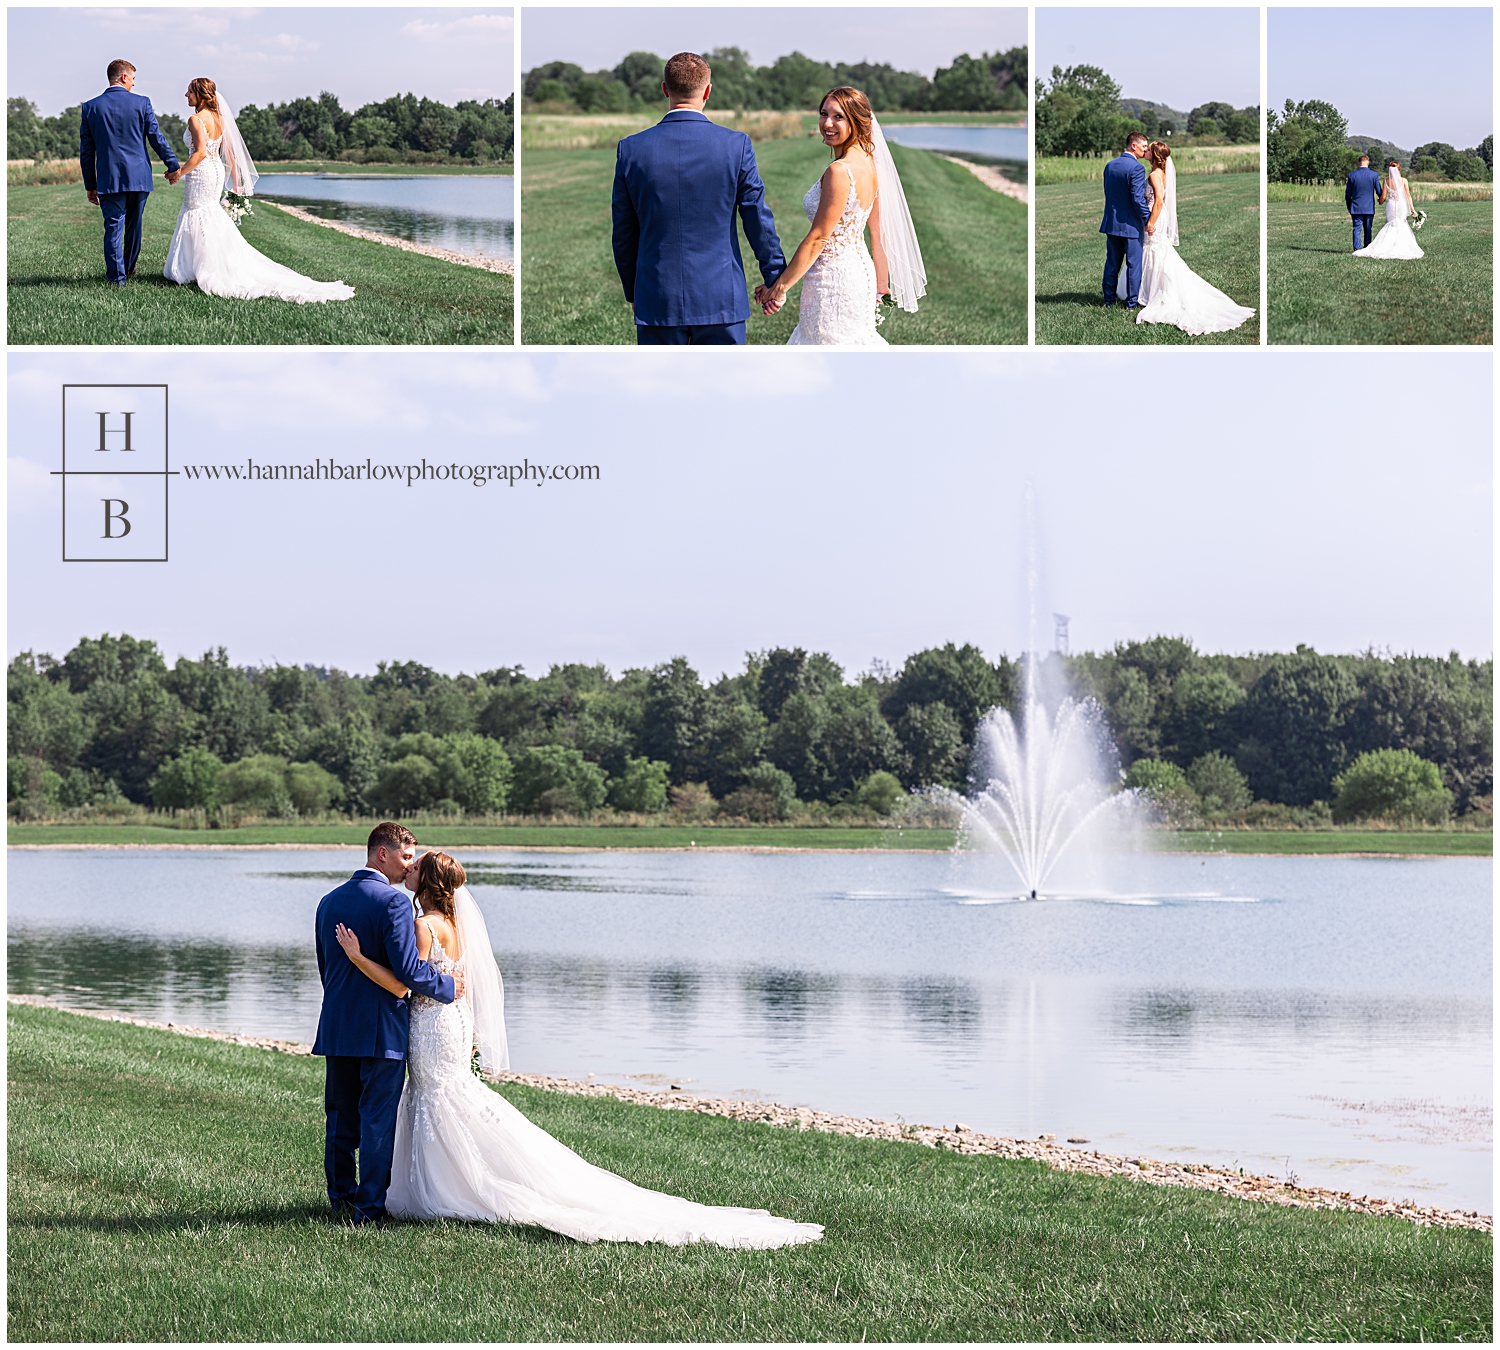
(411, 783)
(1305, 144)
(641, 788)
(258, 783)
(312, 788)
(194, 778)
(1391, 785)
(933, 741)
(478, 773)
(552, 779)
(880, 792)
(767, 794)
(1220, 786)
(1293, 724)
(1077, 112)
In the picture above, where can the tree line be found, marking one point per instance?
(1080, 112)
(112, 723)
(987, 83)
(401, 128)
(1309, 142)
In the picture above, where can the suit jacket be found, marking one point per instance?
(113, 134)
(1360, 192)
(359, 1017)
(1125, 209)
(678, 187)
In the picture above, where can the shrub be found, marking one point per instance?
(880, 792)
(1219, 785)
(258, 783)
(642, 787)
(407, 784)
(1165, 787)
(31, 787)
(312, 788)
(477, 772)
(774, 784)
(194, 779)
(746, 803)
(1391, 785)
(692, 802)
(555, 779)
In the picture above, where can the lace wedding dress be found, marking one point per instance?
(838, 291)
(208, 248)
(1397, 239)
(1171, 292)
(464, 1152)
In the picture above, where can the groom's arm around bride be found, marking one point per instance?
(678, 189)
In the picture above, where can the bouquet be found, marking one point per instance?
(235, 206)
(886, 301)
(1419, 219)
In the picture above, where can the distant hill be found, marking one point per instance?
(1131, 107)
(1378, 150)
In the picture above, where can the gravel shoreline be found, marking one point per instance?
(991, 178)
(957, 1138)
(427, 250)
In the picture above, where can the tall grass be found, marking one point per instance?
(1420, 192)
(604, 131)
(42, 172)
(1190, 159)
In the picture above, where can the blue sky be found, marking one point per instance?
(851, 503)
(1180, 57)
(909, 39)
(1409, 76)
(57, 56)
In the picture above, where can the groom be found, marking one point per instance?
(362, 1029)
(1125, 216)
(113, 135)
(1362, 192)
(677, 188)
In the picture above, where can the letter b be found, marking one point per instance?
(113, 517)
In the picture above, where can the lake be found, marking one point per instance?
(473, 215)
(1325, 1017)
(991, 142)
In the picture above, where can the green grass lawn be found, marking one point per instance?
(1318, 292)
(57, 292)
(973, 245)
(1437, 843)
(1218, 220)
(163, 1188)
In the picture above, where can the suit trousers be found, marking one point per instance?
(1364, 223)
(360, 1098)
(690, 335)
(122, 232)
(1128, 251)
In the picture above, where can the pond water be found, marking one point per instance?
(992, 142)
(473, 215)
(1325, 1017)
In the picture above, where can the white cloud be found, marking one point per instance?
(482, 28)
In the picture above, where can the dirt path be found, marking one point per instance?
(991, 178)
(446, 254)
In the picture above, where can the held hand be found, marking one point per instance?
(346, 939)
(1151, 229)
(93, 199)
(458, 985)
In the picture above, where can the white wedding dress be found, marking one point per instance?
(1171, 292)
(464, 1152)
(838, 290)
(208, 248)
(1397, 239)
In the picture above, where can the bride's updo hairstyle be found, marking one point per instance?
(857, 111)
(205, 93)
(1160, 153)
(438, 876)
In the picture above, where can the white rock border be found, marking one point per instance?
(427, 250)
(991, 177)
(957, 1138)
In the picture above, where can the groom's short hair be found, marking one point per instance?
(686, 75)
(1136, 136)
(117, 69)
(390, 835)
(1364, 159)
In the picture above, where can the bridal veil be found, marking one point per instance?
(898, 236)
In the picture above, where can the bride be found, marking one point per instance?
(1171, 292)
(207, 246)
(1396, 239)
(844, 284)
(464, 1152)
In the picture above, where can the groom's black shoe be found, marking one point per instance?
(130, 274)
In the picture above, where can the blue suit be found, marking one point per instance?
(678, 187)
(1124, 225)
(113, 134)
(362, 1032)
(1360, 193)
